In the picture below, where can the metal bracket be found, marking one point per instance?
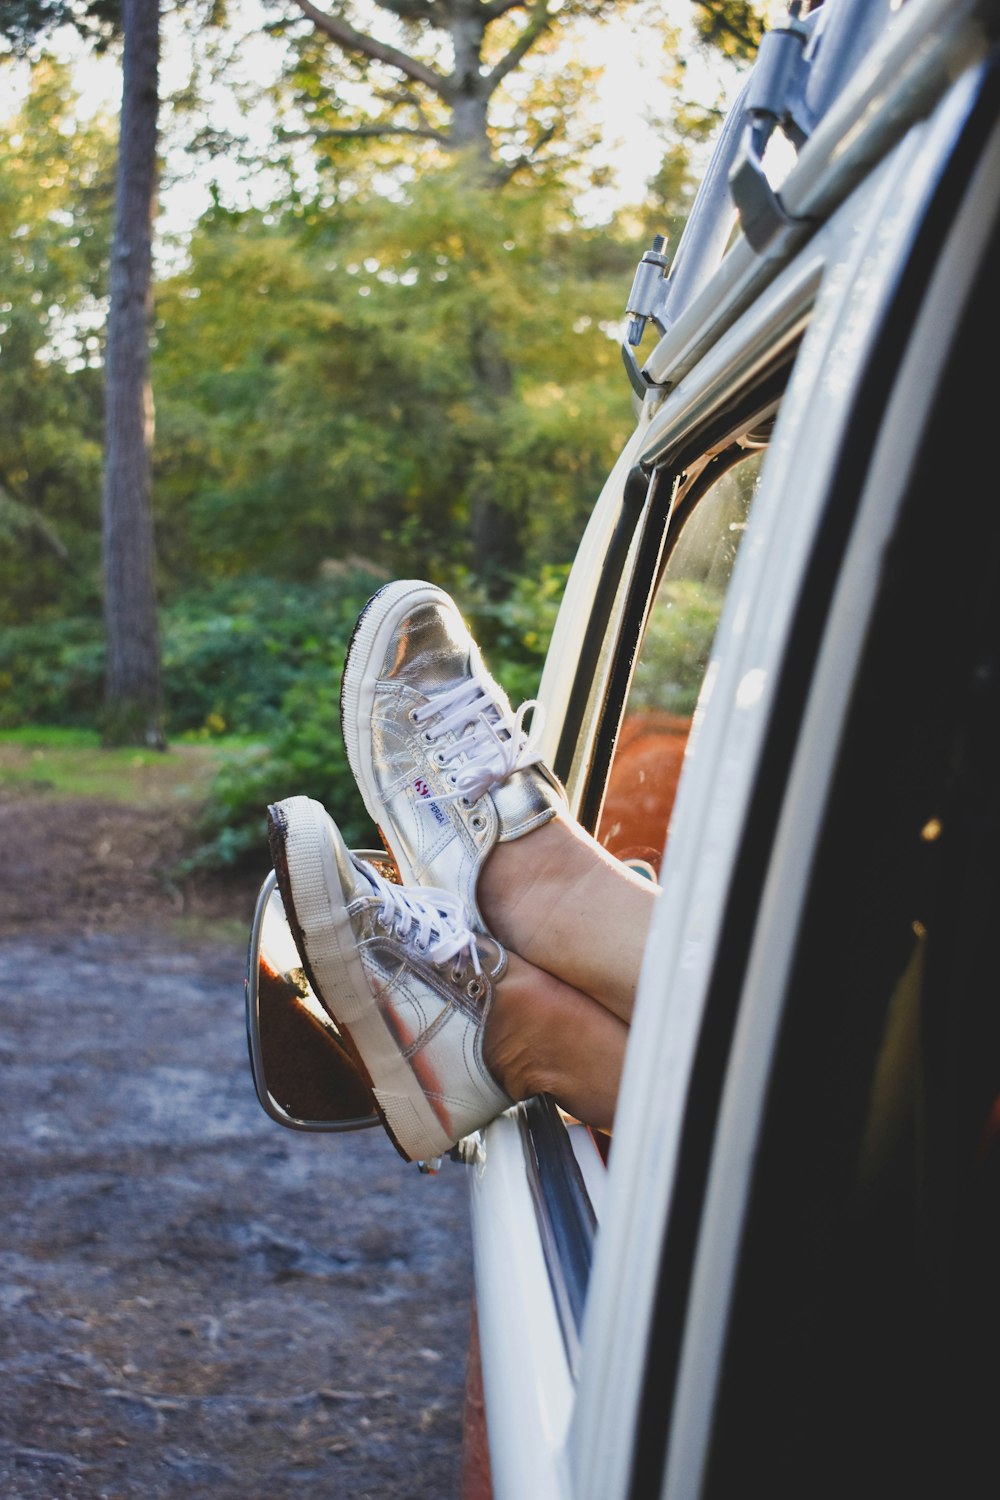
(645, 303)
(648, 289)
(775, 97)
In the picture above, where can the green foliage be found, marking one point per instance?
(513, 626)
(230, 655)
(361, 388)
(24, 22)
(261, 660)
(477, 81)
(734, 27)
(305, 756)
(56, 185)
(676, 647)
(422, 382)
(52, 672)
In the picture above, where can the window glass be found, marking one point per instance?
(671, 666)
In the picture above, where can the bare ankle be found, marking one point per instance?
(567, 906)
(544, 1037)
(513, 1042)
(514, 875)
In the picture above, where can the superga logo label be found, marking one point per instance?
(423, 791)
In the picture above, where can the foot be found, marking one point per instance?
(408, 983)
(444, 765)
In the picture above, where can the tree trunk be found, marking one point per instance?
(469, 96)
(133, 693)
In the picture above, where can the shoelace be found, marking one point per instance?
(493, 744)
(435, 919)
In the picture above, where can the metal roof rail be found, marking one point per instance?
(866, 71)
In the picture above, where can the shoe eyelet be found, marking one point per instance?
(474, 989)
(427, 737)
(438, 757)
(456, 976)
(477, 822)
(412, 716)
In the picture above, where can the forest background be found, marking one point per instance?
(387, 343)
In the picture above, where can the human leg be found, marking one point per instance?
(568, 906)
(542, 1036)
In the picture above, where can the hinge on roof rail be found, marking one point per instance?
(645, 302)
(775, 97)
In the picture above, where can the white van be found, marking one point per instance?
(775, 685)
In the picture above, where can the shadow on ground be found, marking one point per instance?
(197, 1302)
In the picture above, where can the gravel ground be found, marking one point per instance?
(197, 1302)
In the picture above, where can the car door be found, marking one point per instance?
(698, 688)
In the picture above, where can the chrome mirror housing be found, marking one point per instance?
(303, 1074)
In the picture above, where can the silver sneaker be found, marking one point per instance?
(408, 983)
(444, 765)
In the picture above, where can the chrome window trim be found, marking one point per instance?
(528, 1387)
(768, 330)
(565, 1215)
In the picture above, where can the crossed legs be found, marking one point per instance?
(574, 921)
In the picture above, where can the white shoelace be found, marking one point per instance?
(435, 919)
(492, 744)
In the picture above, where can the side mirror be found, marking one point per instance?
(304, 1076)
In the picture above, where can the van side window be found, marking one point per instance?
(671, 666)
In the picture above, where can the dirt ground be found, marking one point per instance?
(196, 1302)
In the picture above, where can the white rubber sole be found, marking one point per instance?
(343, 987)
(365, 655)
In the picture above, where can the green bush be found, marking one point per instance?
(261, 660)
(304, 756)
(676, 647)
(514, 627)
(230, 653)
(52, 672)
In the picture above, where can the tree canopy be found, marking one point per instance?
(346, 390)
(56, 192)
(23, 22)
(435, 71)
(421, 373)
